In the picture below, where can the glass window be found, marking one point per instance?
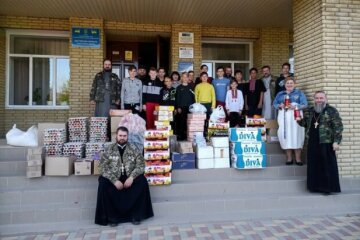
(218, 51)
(39, 70)
(244, 67)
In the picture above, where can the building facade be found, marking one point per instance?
(39, 60)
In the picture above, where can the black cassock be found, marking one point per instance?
(322, 169)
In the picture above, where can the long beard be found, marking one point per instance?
(319, 107)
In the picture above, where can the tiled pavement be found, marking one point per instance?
(339, 227)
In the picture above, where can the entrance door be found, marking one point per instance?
(121, 69)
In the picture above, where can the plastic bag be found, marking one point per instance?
(134, 123)
(16, 137)
(218, 115)
(197, 108)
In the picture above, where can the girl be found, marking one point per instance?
(234, 104)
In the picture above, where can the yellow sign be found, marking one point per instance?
(128, 56)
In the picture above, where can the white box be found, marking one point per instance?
(222, 162)
(32, 163)
(59, 166)
(204, 152)
(220, 142)
(34, 171)
(221, 152)
(205, 163)
(83, 167)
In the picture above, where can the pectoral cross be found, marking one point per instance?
(122, 169)
(316, 124)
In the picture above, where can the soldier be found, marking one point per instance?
(123, 192)
(105, 91)
(324, 132)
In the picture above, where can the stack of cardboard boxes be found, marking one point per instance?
(195, 124)
(54, 140)
(164, 115)
(247, 148)
(221, 152)
(183, 157)
(157, 157)
(205, 157)
(257, 123)
(34, 162)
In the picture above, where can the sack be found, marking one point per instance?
(218, 115)
(16, 137)
(197, 108)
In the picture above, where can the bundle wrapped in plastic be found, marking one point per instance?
(197, 108)
(137, 127)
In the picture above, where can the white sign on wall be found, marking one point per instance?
(186, 37)
(186, 52)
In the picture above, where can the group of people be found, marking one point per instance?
(122, 187)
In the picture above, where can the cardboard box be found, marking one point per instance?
(182, 157)
(248, 148)
(248, 161)
(205, 163)
(164, 128)
(183, 165)
(43, 126)
(195, 128)
(157, 155)
(164, 118)
(34, 171)
(59, 166)
(118, 113)
(162, 123)
(32, 163)
(222, 162)
(196, 116)
(245, 134)
(217, 133)
(255, 122)
(158, 167)
(115, 121)
(113, 137)
(96, 170)
(156, 145)
(184, 147)
(164, 113)
(30, 157)
(204, 152)
(220, 126)
(156, 135)
(158, 179)
(272, 124)
(83, 167)
(164, 108)
(221, 152)
(219, 142)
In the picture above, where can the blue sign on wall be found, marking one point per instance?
(85, 37)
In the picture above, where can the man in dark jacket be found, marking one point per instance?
(105, 91)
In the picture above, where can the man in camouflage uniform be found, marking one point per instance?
(123, 192)
(105, 91)
(324, 132)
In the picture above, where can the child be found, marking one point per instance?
(221, 85)
(131, 92)
(234, 104)
(184, 98)
(254, 94)
(205, 94)
(167, 93)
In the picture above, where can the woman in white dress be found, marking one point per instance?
(291, 135)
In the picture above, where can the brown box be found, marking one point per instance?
(43, 126)
(118, 113)
(115, 123)
(96, 170)
(83, 167)
(184, 147)
(35, 150)
(59, 165)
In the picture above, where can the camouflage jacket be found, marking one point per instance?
(97, 92)
(330, 125)
(110, 162)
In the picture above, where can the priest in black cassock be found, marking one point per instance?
(324, 132)
(123, 192)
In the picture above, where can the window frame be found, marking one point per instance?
(42, 33)
(229, 41)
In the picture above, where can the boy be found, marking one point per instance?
(131, 92)
(221, 86)
(184, 98)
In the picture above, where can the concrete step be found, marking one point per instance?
(191, 175)
(201, 208)
(13, 168)
(10, 153)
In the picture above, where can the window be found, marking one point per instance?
(237, 55)
(38, 69)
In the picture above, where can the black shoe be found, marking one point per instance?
(113, 224)
(289, 162)
(300, 163)
(135, 222)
